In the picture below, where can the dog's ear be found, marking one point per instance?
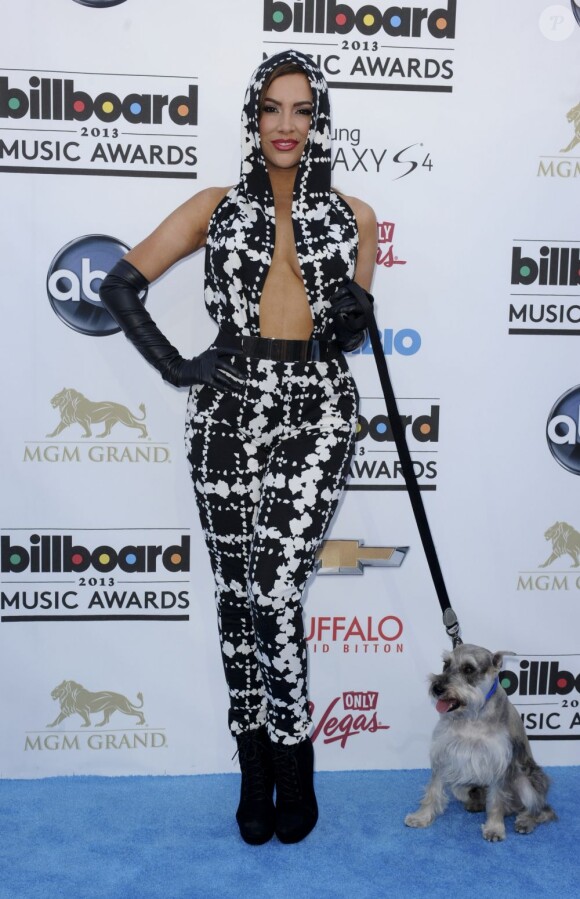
(497, 658)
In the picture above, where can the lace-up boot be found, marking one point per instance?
(296, 807)
(255, 814)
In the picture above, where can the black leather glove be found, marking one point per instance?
(119, 294)
(348, 319)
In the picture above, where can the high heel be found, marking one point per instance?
(296, 806)
(256, 814)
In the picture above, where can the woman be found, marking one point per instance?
(271, 412)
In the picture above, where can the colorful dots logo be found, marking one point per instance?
(330, 17)
(60, 99)
(423, 428)
(554, 266)
(74, 277)
(57, 553)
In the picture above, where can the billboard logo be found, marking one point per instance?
(376, 464)
(417, 56)
(105, 575)
(542, 274)
(330, 17)
(55, 553)
(97, 108)
(556, 267)
(538, 682)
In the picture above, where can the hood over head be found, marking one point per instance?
(314, 170)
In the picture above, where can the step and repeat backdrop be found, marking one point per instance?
(459, 122)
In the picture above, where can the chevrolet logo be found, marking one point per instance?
(350, 556)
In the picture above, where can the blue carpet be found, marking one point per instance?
(140, 837)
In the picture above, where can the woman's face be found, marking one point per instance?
(285, 120)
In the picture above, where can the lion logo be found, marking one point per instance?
(74, 407)
(74, 698)
(565, 540)
(574, 118)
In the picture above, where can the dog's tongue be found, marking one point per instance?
(443, 706)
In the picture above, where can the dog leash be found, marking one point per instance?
(450, 619)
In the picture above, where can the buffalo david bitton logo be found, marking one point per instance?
(78, 415)
(350, 557)
(76, 700)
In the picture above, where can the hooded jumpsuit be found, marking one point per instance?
(269, 463)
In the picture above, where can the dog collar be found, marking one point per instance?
(494, 687)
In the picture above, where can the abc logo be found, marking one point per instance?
(99, 2)
(563, 431)
(74, 278)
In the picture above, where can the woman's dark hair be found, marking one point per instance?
(287, 68)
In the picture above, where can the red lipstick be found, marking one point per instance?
(285, 144)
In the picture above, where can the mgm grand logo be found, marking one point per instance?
(565, 555)
(76, 700)
(78, 413)
(558, 167)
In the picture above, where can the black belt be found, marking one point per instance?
(280, 350)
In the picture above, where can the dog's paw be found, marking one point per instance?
(525, 823)
(418, 819)
(494, 833)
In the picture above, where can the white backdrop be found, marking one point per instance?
(457, 127)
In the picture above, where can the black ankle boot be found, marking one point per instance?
(296, 807)
(255, 814)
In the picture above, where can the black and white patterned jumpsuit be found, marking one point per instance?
(269, 464)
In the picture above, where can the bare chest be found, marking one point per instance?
(284, 308)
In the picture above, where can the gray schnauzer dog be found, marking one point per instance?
(480, 749)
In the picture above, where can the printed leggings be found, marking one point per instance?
(268, 467)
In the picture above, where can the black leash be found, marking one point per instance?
(450, 620)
